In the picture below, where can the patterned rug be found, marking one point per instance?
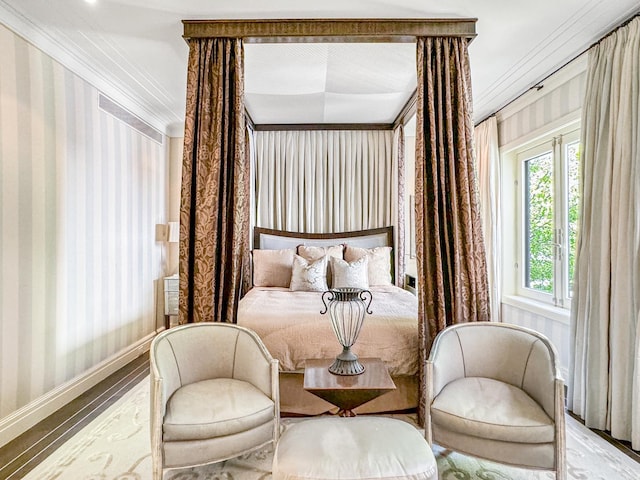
(115, 446)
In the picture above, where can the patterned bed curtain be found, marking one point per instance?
(452, 270)
(214, 211)
(397, 192)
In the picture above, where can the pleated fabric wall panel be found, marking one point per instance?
(80, 194)
(320, 181)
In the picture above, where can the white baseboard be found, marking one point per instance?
(26, 417)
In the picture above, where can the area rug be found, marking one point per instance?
(115, 446)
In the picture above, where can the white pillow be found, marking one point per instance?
(353, 275)
(312, 252)
(272, 268)
(309, 276)
(379, 272)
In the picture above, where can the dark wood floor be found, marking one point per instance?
(24, 453)
(21, 455)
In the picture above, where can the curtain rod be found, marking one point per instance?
(538, 85)
(623, 24)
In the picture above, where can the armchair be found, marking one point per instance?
(214, 395)
(494, 391)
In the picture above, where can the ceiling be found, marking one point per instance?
(133, 51)
(328, 82)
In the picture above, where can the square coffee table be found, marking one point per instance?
(347, 391)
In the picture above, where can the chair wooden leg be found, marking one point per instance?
(156, 470)
(428, 432)
(561, 463)
(561, 432)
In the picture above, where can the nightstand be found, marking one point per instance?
(171, 295)
(410, 283)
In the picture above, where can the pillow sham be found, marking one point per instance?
(309, 276)
(311, 253)
(353, 275)
(379, 270)
(272, 268)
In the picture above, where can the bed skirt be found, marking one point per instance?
(295, 400)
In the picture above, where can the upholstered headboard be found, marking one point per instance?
(266, 238)
(269, 239)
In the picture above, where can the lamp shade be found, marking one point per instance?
(173, 235)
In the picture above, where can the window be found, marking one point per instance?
(548, 220)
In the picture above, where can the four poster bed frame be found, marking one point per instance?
(339, 31)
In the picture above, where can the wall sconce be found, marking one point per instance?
(169, 232)
(173, 232)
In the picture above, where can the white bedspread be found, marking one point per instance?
(293, 330)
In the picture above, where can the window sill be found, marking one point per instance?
(557, 314)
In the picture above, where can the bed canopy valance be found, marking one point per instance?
(214, 238)
(331, 30)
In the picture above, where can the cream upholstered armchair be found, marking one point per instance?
(214, 395)
(494, 391)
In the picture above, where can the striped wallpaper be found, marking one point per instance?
(80, 194)
(517, 126)
(564, 99)
(556, 331)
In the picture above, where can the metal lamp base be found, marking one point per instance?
(346, 364)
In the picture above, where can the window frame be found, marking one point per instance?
(554, 143)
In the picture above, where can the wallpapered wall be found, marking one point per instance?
(554, 104)
(556, 331)
(551, 105)
(80, 194)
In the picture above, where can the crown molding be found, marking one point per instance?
(49, 43)
(574, 35)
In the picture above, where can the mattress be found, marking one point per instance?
(293, 330)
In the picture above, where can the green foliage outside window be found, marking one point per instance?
(573, 205)
(539, 223)
(539, 218)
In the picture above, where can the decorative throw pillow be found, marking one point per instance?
(379, 262)
(272, 268)
(309, 276)
(311, 253)
(353, 275)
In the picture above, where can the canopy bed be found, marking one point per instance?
(290, 323)
(216, 200)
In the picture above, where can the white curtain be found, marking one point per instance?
(604, 386)
(324, 181)
(488, 168)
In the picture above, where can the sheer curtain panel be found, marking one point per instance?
(214, 210)
(488, 166)
(324, 181)
(604, 386)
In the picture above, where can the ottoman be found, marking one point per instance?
(372, 448)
